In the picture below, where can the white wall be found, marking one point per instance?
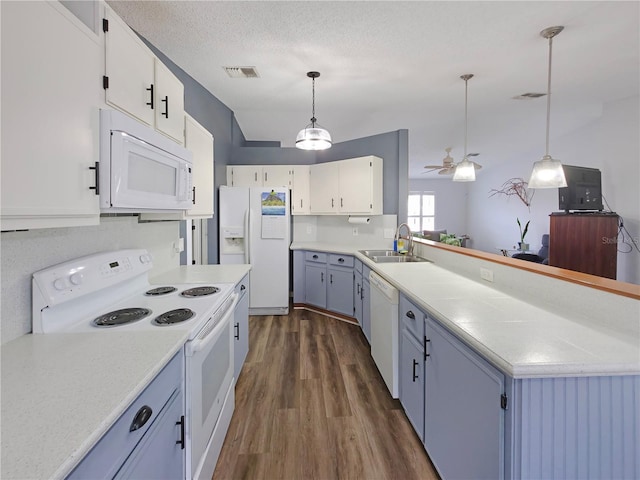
(610, 143)
(451, 203)
(24, 253)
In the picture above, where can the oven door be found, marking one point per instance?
(209, 364)
(145, 177)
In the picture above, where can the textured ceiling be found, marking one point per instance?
(394, 65)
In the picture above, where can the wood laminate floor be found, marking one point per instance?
(311, 404)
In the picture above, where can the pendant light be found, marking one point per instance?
(465, 170)
(548, 172)
(313, 136)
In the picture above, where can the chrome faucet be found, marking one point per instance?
(409, 237)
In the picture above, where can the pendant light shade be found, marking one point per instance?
(313, 136)
(548, 172)
(465, 170)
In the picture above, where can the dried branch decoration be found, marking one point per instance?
(515, 186)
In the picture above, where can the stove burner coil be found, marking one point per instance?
(200, 291)
(154, 292)
(121, 317)
(173, 316)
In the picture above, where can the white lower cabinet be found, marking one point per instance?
(148, 440)
(50, 106)
(464, 420)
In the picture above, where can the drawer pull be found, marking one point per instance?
(242, 287)
(315, 257)
(142, 416)
(237, 329)
(341, 260)
(181, 441)
(411, 315)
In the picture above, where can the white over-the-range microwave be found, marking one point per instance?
(141, 170)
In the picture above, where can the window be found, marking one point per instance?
(421, 211)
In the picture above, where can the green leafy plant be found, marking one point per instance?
(523, 233)
(450, 239)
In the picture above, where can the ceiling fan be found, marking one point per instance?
(448, 166)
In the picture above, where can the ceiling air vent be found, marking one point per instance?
(528, 96)
(242, 72)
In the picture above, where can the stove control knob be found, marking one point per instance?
(146, 258)
(76, 278)
(59, 284)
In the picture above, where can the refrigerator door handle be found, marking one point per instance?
(247, 236)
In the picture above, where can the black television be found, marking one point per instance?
(583, 190)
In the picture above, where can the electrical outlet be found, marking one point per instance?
(355, 231)
(486, 274)
(309, 229)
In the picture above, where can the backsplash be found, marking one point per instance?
(336, 229)
(24, 253)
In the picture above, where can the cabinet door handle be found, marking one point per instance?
(300, 203)
(255, 177)
(411, 315)
(341, 202)
(332, 203)
(181, 441)
(142, 416)
(362, 293)
(194, 195)
(415, 364)
(321, 276)
(96, 167)
(358, 289)
(266, 176)
(237, 329)
(331, 278)
(150, 90)
(165, 100)
(426, 340)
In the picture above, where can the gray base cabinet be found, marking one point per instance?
(340, 290)
(147, 441)
(464, 420)
(315, 286)
(412, 381)
(241, 326)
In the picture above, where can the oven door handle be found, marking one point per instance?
(200, 343)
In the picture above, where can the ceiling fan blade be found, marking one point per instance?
(446, 171)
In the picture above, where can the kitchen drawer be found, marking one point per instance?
(412, 318)
(341, 260)
(318, 257)
(111, 451)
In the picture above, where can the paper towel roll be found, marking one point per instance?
(361, 220)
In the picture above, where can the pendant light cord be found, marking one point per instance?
(465, 118)
(313, 102)
(549, 97)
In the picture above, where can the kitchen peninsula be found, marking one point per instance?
(569, 361)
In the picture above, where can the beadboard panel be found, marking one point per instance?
(577, 428)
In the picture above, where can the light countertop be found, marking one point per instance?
(62, 392)
(521, 339)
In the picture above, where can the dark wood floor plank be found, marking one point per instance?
(311, 404)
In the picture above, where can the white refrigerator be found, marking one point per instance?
(255, 228)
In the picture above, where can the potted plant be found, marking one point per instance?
(523, 233)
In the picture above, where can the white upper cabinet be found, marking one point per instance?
(324, 183)
(199, 141)
(50, 108)
(169, 100)
(300, 191)
(347, 187)
(137, 83)
(259, 176)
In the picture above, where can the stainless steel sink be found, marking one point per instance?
(399, 259)
(389, 256)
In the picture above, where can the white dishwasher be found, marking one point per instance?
(385, 348)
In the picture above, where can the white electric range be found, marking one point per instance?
(110, 291)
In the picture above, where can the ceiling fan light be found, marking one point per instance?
(465, 172)
(313, 138)
(547, 173)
